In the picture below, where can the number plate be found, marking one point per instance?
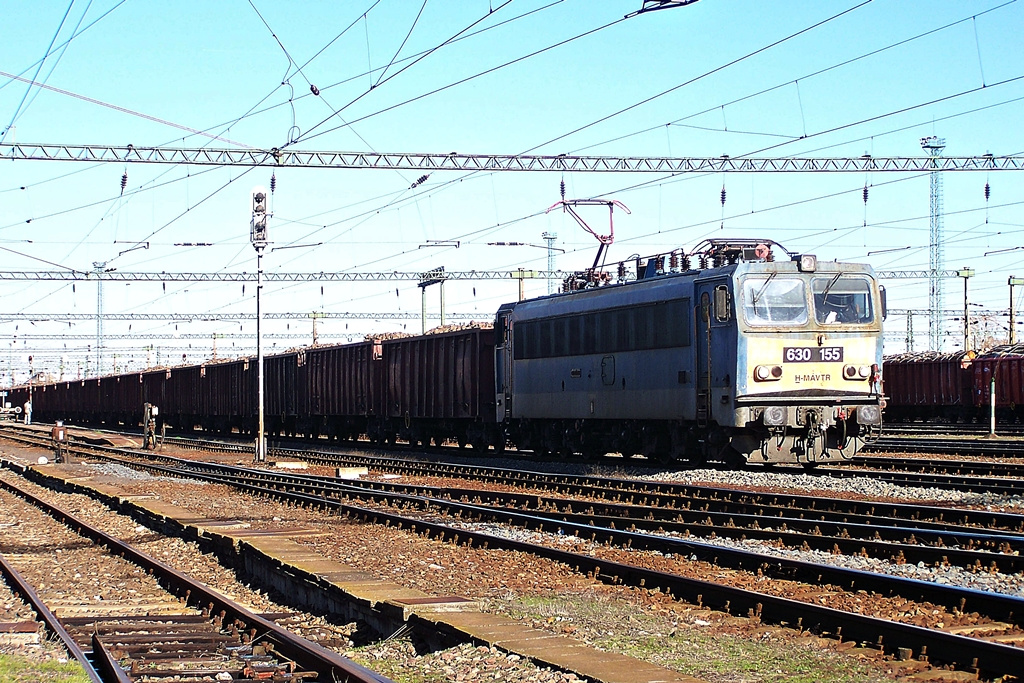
(812, 354)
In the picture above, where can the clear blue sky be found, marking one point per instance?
(217, 67)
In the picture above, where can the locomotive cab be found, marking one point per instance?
(808, 385)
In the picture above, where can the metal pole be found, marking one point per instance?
(966, 273)
(423, 310)
(261, 439)
(1013, 336)
(967, 320)
(1013, 282)
(258, 237)
(442, 303)
(992, 403)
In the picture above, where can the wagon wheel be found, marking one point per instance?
(480, 443)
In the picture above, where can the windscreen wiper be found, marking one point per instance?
(764, 287)
(828, 287)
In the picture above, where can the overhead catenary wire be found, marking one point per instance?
(804, 77)
(21, 104)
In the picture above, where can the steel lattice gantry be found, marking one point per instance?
(232, 317)
(394, 276)
(454, 161)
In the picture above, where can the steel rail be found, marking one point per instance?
(307, 654)
(989, 468)
(662, 493)
(962, 650)
(697, 504)
(886, 541)
(667, 494)
(998, 606)
(944, 481)
(1001, 448)
(21, 586)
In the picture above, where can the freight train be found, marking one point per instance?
(723, 353)
(955, 387)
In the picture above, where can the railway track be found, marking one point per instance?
(694, 509)
(379, 505)
(960, 475)
(150, 622)
(992, 448)
(918, 428)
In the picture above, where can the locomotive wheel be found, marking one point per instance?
(732, 458)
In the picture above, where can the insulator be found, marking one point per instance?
(865, 194)
(124, 181)
(562, 188)
(686, 262)
(673, 261)
(622, 270)
(988, 191)
(723, 195)
(659, 264)
(313, 89)
(273, 182)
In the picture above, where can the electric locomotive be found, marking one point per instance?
(743, 358)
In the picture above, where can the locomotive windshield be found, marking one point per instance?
(772, 300)
(842, 299)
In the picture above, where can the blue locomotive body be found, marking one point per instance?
(755, 360)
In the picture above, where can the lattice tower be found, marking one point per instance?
(934, 146)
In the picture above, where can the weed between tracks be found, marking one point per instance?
(702, 644)
(18, 669)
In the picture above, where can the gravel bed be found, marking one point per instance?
(756, 477)
(121, 472)
(398, 657)
(865, 486)
(400, 660)
(504, 581)
(1008, 584)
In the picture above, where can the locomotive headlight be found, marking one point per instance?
(765, 373)
(869, 415)
(856, 372)
(775, 416)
